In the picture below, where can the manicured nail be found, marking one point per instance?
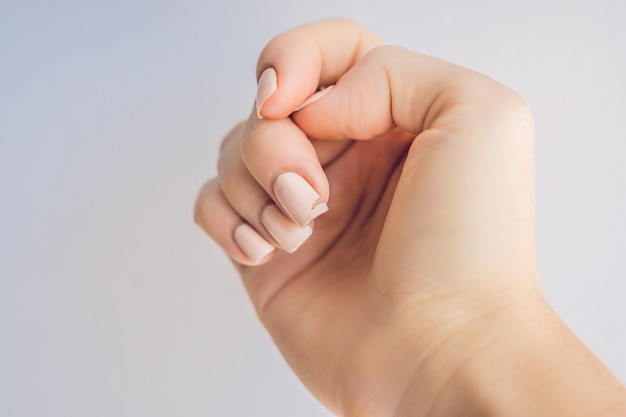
(321, 93)
(297, 198)
(267, 86)
(252, 243)
(283, 229)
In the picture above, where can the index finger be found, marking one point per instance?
(318, 54)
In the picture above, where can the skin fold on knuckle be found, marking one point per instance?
(202, 207)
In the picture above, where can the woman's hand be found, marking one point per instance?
(424, 260)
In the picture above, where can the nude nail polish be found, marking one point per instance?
(318, 95)
(268, 83)
(252, 243)
(297, 198)
(288, 234)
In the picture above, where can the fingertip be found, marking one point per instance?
(217, 218)
(298, 199)
(252, 244)
(267, 86)
(306, 57)
(283, 87)
(289, 235)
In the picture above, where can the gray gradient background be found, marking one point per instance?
(113, 303)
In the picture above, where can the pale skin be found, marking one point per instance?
(416, 292)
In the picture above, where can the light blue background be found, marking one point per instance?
(112, 303)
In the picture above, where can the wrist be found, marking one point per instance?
(428, 355)
(518, 360)
(463, 374)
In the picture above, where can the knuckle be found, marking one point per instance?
(232, 135)
(202, 207)
(229, 150)
(514, 108)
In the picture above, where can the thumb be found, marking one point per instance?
(394, 87)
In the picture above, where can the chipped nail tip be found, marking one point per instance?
(297, 198)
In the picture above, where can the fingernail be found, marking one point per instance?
(252, 243)
(321, 93)
(267, 86)
(297, 198)
(288, 234)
